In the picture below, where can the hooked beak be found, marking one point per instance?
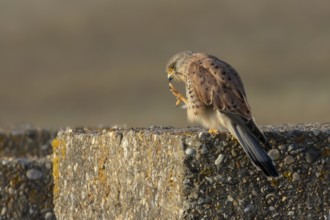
(170, 77)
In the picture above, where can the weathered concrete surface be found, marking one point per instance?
(166, 173)
(26, 182)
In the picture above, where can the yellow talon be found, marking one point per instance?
(213, 131)
(178, 101)
(178, 95)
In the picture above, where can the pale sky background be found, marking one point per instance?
(103, 62)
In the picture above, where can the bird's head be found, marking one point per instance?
(175, 67)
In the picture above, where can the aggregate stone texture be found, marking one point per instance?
(26, 187)
(25, 142)
(167, 173)
(26, 181)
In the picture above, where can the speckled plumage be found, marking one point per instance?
(216, 98)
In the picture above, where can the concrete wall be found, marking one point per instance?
(166, 173)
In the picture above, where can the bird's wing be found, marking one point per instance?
(218, 84)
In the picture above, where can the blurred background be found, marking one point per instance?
(68, 63)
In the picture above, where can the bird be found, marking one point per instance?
(216, 98)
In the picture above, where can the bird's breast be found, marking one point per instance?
(199, 112)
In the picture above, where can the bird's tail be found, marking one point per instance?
(254, 150)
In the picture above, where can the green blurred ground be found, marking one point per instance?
(102, 62)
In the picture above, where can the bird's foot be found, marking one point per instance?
(179, 97)
(213, 131)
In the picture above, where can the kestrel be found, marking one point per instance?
(216, 98)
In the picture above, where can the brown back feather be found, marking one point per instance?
(218, 84)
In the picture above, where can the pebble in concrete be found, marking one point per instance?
(274, 154)
(33, 174)
(219, 160)
(289, 160)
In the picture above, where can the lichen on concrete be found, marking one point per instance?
(167, 173)
(120, 173)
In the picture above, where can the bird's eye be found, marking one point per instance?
(172, 66)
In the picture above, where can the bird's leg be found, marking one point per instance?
(178, 95)
(213, 131)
